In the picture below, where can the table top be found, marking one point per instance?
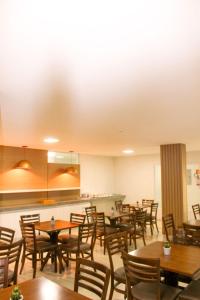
(46, 226)
(42, 289)
(183, 259)
(116, 215)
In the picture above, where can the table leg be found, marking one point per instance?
(171, 278)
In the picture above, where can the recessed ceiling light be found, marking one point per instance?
(51, 140)
(128, 151)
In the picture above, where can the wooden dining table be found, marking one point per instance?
(183, 259)
(113, 217)
(53, 229)
(195, 223)
(42, 289)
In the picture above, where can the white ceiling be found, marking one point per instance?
(101, 76)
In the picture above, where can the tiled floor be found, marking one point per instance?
(67, 277)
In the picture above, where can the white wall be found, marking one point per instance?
(134, 176)
(96, 174)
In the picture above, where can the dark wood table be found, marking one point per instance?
(195, 223)
(183, 259)
(53, 231)
(113, 217)
(42, 289)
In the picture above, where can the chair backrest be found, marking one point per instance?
(118, 205)
(92, 276)
(139, 269)
(126, 208)
(196, 210)
(6, 235)
(28, 234)
(140, 218)
(169, 226)
(147, 202)
(77, 218)
(86, 234)
(89, 212)
(154, 210)
(116, 243)
(4, 272)
(12, 252)
(34, 218)
(99, 220)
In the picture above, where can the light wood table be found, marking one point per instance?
(53, 231)
(183, 259)
(42, 289)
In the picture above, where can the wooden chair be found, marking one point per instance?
(6, 236)
(12, 253)
(172, 234)
(74, 218)
(89, 212)
(143, 279)
(137, 231)
(191, 292)
(192, 234)
(92, 276)
(34, 249)
(116, 243)
(196, 210)
(3, 272)
(83, 246)
(102, 229)
(151, 218)
(118, 205)
(147, 202)
(34, 219)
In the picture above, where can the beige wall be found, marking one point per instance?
(97, 174)
(134, 176)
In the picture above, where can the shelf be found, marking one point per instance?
(38, 190)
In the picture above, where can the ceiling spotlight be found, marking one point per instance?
(51, 140)
(128, 151)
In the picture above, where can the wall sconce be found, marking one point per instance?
(24, 163)
(70, 170)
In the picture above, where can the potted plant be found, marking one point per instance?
(16, 294)
(167, 248)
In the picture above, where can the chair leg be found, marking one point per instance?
(34, 264)
(22, 261)
(111, 289)
(156, 226)
(144, 240)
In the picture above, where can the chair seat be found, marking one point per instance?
(67, 238)
(41, 237)
(191, 292)
(41, 246)
(147, 291)
(73, 248)
(119, 275)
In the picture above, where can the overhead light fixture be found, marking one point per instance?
(24, 163)
(128, 151)
(72, 170)
(51, 140)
